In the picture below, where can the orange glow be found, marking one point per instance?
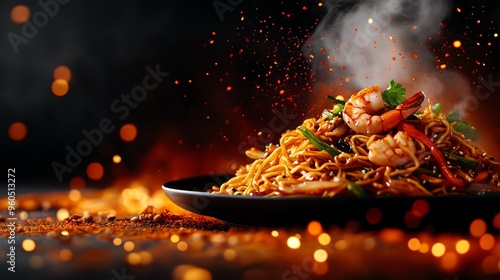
(320, 268)
(293, 242)
(62, 72)
(182, 246)
(424, 248)
(496, 221)
(314, 228)
(17, 131)
(129, 246)
(373, 216)
(462, 246)
(490, 264)
(117, 159)
(438, 250)
(95, 171)
(443, 66)
(77, 182)
(320, 255)
(229, 88)
(486, 242)
(60, 87)
(128, 132)
(65, 255)
(420, 208)
(28, 245)
(457, 44)
(324, 239)
(392, 235)
(477, 228)
(20, 14)
(449, 261)
(414, 244)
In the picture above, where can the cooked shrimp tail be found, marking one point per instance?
(392, 118)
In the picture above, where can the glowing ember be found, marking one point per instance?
(117, 159)
(62, 72)
(60, 87)
(17, 131)
(20, 14)
(457, 44)
(293, 242)
(28, 245)
(128, 132)
(95, 171)
(462, 246)
(438, 250)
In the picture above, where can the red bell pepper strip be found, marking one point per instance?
(413, 132)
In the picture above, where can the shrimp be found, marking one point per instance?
(364, 111)
(390, 150)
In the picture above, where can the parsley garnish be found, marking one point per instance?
(394, 95)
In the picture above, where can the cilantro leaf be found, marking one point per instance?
(394, 95)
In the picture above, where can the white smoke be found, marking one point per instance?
(373, 42)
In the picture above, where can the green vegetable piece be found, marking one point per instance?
(335, 100)
(322, 146)
(463, 127)
(328, 114)
(467, 130)
(465, 163)
(436, 108)
(394, 95)
(453, 116)
(357, 190)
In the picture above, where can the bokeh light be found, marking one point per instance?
(414, 244)
(293, 242)
(449, 261)
(77, 182)
(462, 246)
(17, 131)
(324, 239)
(457, 44)
(65, 255)
(438, 250)
(20, 14)
(60, 87)
(314, 228)
(128, 132)
(373, 216)
(128, 246)
(63, 73)
(95, 171)
(28, 245)
(117, 159)
(486, 242)
(320, 255)
(477, 228)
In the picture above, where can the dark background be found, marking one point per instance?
(191, 124)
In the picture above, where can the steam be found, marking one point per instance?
(372, 42)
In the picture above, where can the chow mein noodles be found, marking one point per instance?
(374, 144)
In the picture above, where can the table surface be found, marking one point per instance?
(56, 239)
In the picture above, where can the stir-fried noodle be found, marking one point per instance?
(295, 166)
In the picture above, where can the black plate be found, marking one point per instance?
(446, 213)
